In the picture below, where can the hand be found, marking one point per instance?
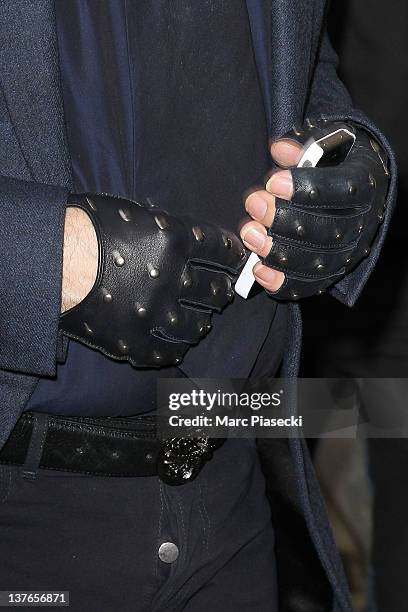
(159, 280)
(80, 258)
(311, 225)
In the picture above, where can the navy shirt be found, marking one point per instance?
(162, 101)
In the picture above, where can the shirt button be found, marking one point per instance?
(168, 552)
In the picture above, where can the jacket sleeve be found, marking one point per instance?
(329, 99)
(31, 240)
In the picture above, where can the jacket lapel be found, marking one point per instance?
(285, 74)
(29, 77)
(259, 21)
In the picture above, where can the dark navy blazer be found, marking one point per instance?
(35, 180)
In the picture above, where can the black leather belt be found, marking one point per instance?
(110, 447)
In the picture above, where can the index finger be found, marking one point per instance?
(215, 247)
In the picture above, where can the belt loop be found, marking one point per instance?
(36, 446)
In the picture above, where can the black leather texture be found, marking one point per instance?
(331, 222)
(110, 447)
(160, 278)
(94, 446)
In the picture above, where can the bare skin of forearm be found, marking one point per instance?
(80, 258)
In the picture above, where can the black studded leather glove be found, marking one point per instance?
(159, 280)
(331, 222)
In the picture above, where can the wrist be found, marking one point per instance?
(80, 257)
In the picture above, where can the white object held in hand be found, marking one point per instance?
(310, 158)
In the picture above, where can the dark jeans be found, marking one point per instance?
(98, 537)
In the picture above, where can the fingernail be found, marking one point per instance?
(254, 239)
(286, 153)
(281, 184)
(267, 275)
(257, 207)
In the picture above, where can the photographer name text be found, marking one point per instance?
(254, 420)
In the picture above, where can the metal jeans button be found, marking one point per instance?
(168, 552)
